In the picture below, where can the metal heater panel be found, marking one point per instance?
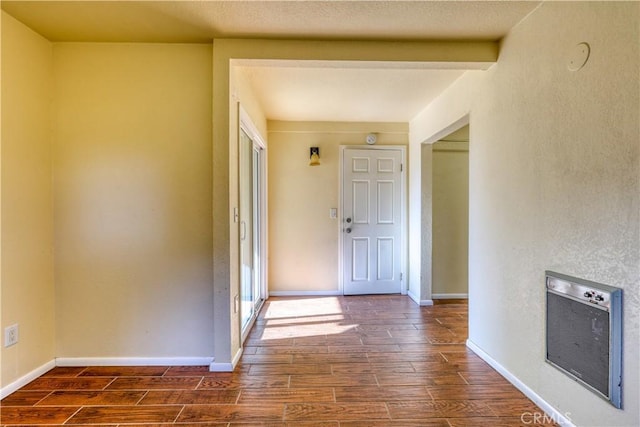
(584, 333)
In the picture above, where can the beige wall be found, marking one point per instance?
(554, 184)
(27, 208)
(450, 219)
(241, 91)
(133, 200)
(303, 239)
(422, 293)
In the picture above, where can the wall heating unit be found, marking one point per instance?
(584, 333)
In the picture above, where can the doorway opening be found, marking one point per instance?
(445, 164)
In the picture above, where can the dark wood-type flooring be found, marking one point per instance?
(325, 362)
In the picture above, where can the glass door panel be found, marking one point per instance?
(247, 227)
(257, 217)
(251, 220)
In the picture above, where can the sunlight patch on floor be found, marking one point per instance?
(303, 307)
(305, 317)
(311, 329)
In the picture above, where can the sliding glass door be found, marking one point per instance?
(251, 229)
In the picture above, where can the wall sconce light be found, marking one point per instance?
(314, 156)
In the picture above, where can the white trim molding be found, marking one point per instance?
(303, 293)
(133, 361)
(26, 379)
(417, 300)
(108, 361)
(552, 412)
(228, 366)
(450, 296)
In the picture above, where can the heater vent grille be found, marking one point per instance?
(584, 338)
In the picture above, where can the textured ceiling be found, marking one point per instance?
(192, 21)
(359, 94)
(294, 93)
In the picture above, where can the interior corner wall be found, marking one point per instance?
(133, 200)
(554, 185)
(303, 239)
(26, 266)
(242, 92)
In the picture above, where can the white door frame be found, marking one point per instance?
(404, 283)
(246, 124)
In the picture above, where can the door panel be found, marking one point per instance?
(385, 259)
(385, 202)
(361, 205)
(372, 221)
(385, 165)
(360, 164)
(360, 268)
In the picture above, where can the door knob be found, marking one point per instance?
(347, 230)
(348, 220)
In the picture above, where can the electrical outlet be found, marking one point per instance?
(236, 304)
(11, 335)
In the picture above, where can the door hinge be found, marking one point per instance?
(401, 166)
(401, 275)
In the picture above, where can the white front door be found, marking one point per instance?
(372, 215)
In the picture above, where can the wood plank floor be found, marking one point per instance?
(325, 362)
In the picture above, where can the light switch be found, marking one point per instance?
(333, 213)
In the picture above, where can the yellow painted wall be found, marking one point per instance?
(27, 207)
(422, 293)
(450, 186)
(554, 185)
(303, 239)
(133, 200)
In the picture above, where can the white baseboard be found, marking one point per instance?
(133, 361)
(26, 379)
(117, 361)
(226, 367)
(450, 296)
(422, 303)
(303, 293)
(552, 412)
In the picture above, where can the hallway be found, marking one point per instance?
(315, 361)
